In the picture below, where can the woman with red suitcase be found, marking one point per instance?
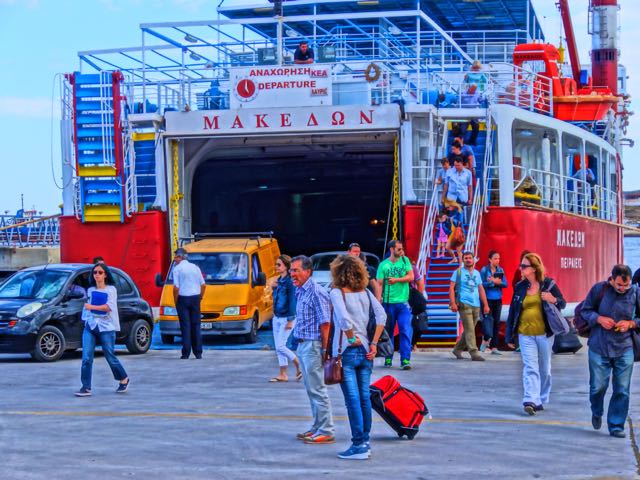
(353, 305)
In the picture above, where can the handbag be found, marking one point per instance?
(385, 347)
(557, 323)
(333, 366)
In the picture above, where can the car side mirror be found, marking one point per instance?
(261, 281)
(159, 280)
(75, 295)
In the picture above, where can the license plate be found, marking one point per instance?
(206, 326)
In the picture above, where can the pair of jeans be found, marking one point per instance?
(535, 351)
(280, 336)
(188, 308)
(469, 316)
(356, 371)
(491, 323)
(310, 356)
(108, 342)
(600, 369)
(400, 314)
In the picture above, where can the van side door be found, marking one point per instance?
(257, 292)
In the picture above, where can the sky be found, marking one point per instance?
(40, 39)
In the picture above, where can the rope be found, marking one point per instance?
(395, 196)
(177, 195)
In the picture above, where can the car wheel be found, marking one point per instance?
(139, 340)
(49, 345)
(168, 339)
(252, 336)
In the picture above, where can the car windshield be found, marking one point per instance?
(34, 284)
(219, 267)
(322, 261)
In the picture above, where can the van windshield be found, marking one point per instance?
(219, 267)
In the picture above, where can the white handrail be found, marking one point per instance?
(426, 241)
(481, 194)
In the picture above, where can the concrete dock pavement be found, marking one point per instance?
(219, 418)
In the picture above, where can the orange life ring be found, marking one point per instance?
(372, 73)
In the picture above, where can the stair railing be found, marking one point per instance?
(130, 186)
(106, 117)
(481, 193)
(430, 212)
(428, 220)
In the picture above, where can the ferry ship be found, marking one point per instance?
(210, 126)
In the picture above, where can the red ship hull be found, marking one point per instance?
(576, 251)
(139, 246)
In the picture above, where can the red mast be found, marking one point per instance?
(604, 46)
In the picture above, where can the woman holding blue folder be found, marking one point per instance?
(101, 319)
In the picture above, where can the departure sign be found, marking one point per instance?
(290, 85)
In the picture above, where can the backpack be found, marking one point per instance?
(579, 321)
(457, 285)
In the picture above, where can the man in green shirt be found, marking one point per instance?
(394, 275)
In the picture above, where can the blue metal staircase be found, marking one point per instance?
(100, 163)
(443, 323)
(144, 146)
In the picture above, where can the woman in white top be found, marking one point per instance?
(101, 319)
(352, 307)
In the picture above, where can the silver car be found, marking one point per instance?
(321, 262)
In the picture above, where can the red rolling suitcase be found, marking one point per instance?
(400, 407)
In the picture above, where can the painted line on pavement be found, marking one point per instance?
(239, 416)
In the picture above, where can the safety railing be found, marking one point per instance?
(37, 231)
(506, 85)
(559, 192)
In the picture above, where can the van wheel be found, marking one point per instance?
(49, 345)
(139, 339)
(252, 336)
(168, 339)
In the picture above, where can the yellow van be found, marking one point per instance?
(237, 299)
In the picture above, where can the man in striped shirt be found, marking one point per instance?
(313, 317)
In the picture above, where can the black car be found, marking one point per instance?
(41, 311)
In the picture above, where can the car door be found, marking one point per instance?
(257, 292)
(69, 313)
(127, 304)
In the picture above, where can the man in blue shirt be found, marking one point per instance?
(467, 153)
(610, 309)
(458, 184)
(313, 317)
(465, 294)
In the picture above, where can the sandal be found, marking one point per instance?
(276, 380)
(298, 376)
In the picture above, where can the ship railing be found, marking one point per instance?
(36, 231)
(504, 84)
(559, 192)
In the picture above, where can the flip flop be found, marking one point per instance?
(299, 376)
(276, 380)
